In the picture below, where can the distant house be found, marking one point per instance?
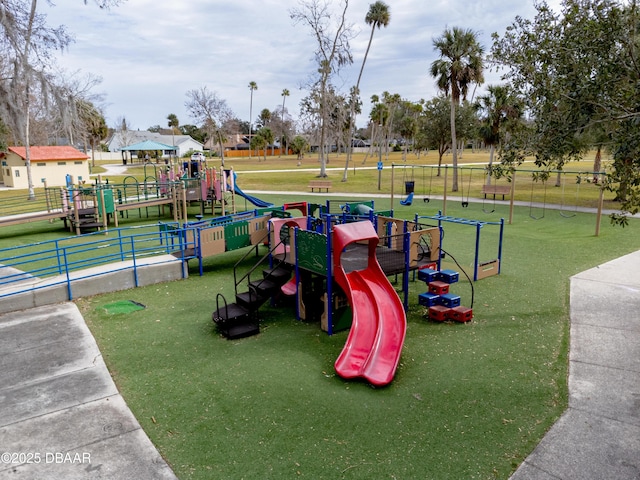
(235, 141)
(184, 143)
(50, 164)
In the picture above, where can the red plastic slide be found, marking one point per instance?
(374, 344)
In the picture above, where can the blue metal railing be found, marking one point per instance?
(63, 261)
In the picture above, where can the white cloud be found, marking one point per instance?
(151, 52)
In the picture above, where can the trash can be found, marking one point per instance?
(408, 187)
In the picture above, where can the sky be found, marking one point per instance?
(150, 53)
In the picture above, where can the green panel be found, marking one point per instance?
(312, 251)
(275, 212)
(355, 207)
(236, 235)
(108, 200)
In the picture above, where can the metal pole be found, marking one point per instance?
(392, 183)
(500, 245)
(513, 194)
(599, 213)
(444, 198)
(477, 253)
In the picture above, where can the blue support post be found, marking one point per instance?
(67, 272)
(406, 246)
(329, 279)
(477, 253)
(500, 245)
(135, 266)
(198, 250)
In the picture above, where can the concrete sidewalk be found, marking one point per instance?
(62, 415)
(598, 437)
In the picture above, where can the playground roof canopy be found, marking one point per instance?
(148, 145)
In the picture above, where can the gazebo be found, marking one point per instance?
(148, 146)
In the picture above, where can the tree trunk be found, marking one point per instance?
(597, 164)
(454, 146)
(323, 132)
(352, 116)
(27, 136)
(370, 152)
(221, 149)
(491, 150)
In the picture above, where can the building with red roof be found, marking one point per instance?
(50, 165)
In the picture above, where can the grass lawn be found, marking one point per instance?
(468, 400)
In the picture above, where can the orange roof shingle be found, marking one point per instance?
(43, 154)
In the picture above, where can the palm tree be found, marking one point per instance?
(377, 16)
(299, 146)
(172, 121)
(252, 86)
(285, 93)
(460, 64)
(379, 115)
(261, 140)
(97, 129)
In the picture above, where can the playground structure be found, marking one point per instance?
(331, 262)
(335, 267)
(482, 268)
(88, 207)
(567, 192)
(300, 262)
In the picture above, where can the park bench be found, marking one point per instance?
(320, 185)
(496, 190)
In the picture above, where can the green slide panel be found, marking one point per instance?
(108, 200)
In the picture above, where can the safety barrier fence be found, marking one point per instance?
(25, 268)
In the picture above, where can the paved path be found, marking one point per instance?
(62, 416)
(598, 437)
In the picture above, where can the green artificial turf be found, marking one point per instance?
(468, 400)
(122, 307)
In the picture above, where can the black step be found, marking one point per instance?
(235, 321)
(230, 312)
(251, 300)
(86, 212)
(242, 330)
(279, 274)
(265, 287)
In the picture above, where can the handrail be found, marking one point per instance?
(226, 308)
(247, 275)
(46, 260)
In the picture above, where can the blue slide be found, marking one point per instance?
(256, 201)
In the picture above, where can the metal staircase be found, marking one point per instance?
(240, 318)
